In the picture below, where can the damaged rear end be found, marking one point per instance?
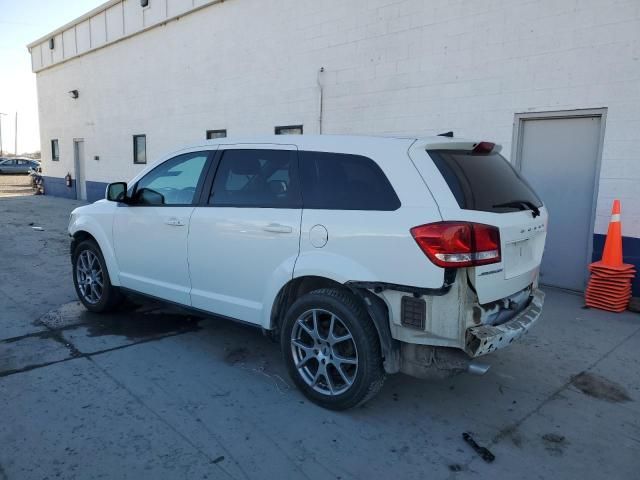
(490, 242)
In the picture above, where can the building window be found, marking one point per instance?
(289, 130)
(213, 134)
(139, 149)
(55, 150)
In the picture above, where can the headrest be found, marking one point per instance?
(245, 166)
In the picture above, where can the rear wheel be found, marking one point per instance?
(331, 349)
(91, 279)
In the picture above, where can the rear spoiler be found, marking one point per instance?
(455, 144)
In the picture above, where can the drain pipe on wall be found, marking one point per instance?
(320, 72)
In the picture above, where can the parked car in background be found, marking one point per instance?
(18, 165)
(363, 256)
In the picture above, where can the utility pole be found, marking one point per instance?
(1, 152)
(15, 144)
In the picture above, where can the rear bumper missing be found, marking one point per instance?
(485, 339)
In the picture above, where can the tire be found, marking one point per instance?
(89, 265)
(337, 371)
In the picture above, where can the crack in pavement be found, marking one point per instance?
(56, 334)
(74, 352)
(88, 355)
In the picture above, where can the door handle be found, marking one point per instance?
(278, 228)
(174, 222)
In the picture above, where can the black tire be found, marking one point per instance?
(110, 297)
(368, 375)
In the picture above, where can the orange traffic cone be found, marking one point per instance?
(610, 283)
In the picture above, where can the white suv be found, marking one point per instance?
(363, 255)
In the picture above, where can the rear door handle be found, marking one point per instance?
(278, 228)
(174, 222)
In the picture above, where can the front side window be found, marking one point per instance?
(139, 149)
(256, 178)
(55, 150)
(337, 181)
(174, 182)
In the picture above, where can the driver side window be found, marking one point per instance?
(174, 182)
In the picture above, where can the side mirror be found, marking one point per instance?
(147, 196)
(117, 192)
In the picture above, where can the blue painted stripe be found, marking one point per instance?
(57, 187)
(95, 190)
(630, 250)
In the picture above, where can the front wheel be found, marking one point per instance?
(331, 349)
(91, 279)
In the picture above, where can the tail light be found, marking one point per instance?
(458, 244)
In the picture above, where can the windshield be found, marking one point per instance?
(485, 182)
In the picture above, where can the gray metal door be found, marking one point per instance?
(78, 154)
(559, 156)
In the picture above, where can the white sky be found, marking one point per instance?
(21, 22)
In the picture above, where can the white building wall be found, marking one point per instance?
(98, 30)
(115, 22)
(69, 42)
(391, 67)
(83, 36)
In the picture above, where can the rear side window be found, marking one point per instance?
(485, 182)
(257, 178)
(338, 181)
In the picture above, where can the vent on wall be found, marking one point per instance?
(52, 43)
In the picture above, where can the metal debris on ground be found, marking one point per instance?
(38, 229)
(484, 452)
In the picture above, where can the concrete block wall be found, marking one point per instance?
(391, 67)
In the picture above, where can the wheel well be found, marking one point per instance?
(78, 237)
(293, 290)
(374, 305)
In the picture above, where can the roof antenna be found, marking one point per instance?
(446, 134)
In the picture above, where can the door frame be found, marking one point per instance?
(516, 155)
(77, 168)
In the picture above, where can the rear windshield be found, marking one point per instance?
(485, 182)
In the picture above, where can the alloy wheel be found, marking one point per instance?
(89, 276)
(324, 352)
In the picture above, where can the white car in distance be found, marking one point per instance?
(364, 256)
